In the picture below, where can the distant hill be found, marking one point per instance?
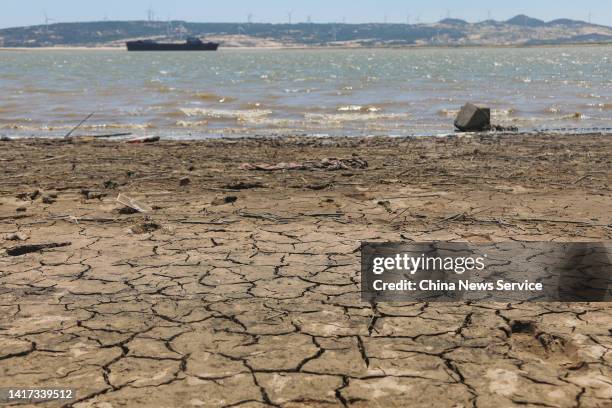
(526, 21)
(519, 30)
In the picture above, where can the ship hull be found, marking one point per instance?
(142, 46)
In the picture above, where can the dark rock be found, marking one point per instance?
(26, 249)
(28, 196)
(471, 118)
(224, 200)
(110, 184)
(243, 185)
(127, 211)
(34, 195)
(145, 227)
(21, 209)
(91, 195)
(48, 200)
(185, 181)
(522, 326)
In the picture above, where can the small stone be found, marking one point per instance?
(16, 236)
(145, 227)
(184, 181)
(34, 195)
(224, 200)
(127, 211)
(48, 200)
(110, 184)
(21, 209)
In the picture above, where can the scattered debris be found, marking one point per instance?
(145, 139)
(499, 128)
(185, 181)
(386, 205)
(243, 185)
(76, 220)
(317, 187)
(522, 326)
(109, 135)
(48, 199)
(79, 125)
(28, 196)
(48, 159)
(145, 227)
(16, 236)
(472, 118)
(132, 203)
(110, 184)
(127, 211)
(330, 164)
(224, 200)
(26, 249)
(204, 222)
(93, 195)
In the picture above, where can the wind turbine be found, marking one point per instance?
(47, 20)
(151, 14)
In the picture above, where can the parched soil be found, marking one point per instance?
(241, 287)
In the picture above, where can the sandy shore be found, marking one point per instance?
(242, 286)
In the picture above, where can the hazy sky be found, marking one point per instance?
(27, 12)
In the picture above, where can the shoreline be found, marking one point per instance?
(326, 47)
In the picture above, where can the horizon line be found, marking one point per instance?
(304, 22)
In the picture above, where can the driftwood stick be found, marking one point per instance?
(79, 125)
(26, 249)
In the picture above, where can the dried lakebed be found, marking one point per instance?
(241, 287)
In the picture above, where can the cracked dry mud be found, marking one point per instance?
(254, 300)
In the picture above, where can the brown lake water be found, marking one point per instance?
(294, 92)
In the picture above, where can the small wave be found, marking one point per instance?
(213, 97)
(156, 85)
(599, 106)
(190, 124)
(324, 118)
(553, 109)
(574, 116)
(496, 113)
(448, 113)
(51, 128)
(358, 108)
(503, 113)
(226, 114)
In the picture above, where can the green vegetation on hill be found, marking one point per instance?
(519, 30)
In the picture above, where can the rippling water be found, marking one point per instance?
(287, 92)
